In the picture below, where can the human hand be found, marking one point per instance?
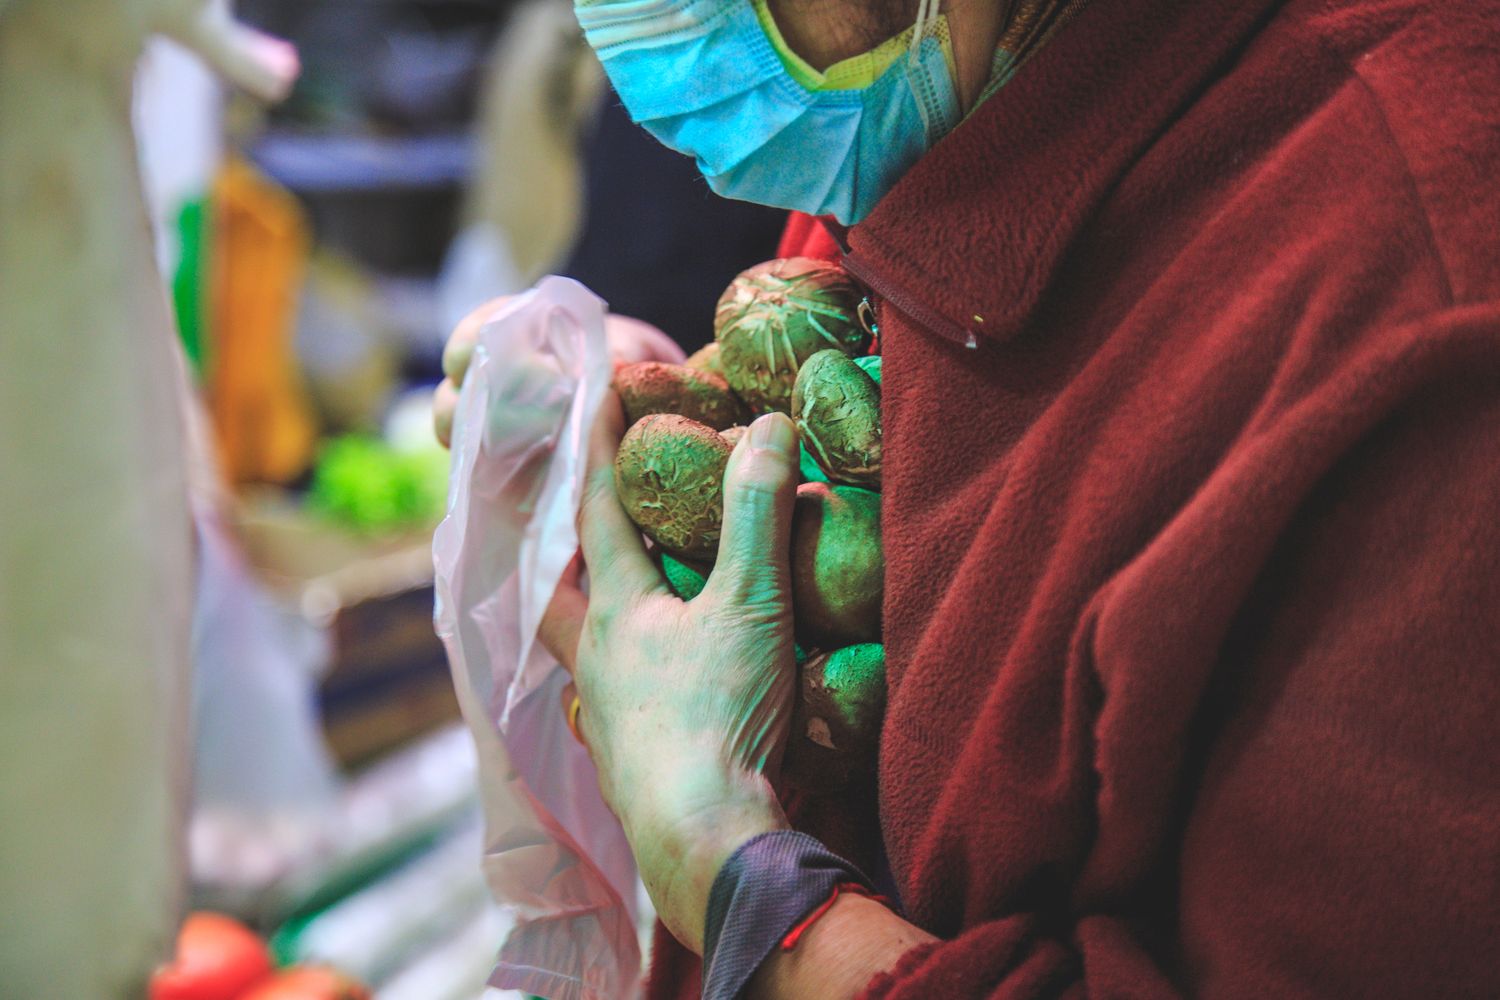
(260, 64)
(629, 340)
(686, 704)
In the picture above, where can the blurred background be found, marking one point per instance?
(432, 154)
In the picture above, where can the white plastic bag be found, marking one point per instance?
(554, 853)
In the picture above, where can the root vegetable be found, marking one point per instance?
(837, 565)
(706, 359)
(686, 580)
(835, 736)
(776, 315)
(836, 407)
(649, 387)
(669, 473)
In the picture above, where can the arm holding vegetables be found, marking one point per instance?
(694, 703)
(683, 745)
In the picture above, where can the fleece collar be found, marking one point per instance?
(970, 238)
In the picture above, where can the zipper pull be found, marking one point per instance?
(893, 296)
(866, 313)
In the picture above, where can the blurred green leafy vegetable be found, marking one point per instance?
(366, 485)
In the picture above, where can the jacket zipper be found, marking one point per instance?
(913, 307)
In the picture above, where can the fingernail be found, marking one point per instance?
(774, 431)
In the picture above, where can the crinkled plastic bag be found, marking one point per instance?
(554, 853)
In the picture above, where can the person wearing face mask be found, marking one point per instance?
(1190, 322)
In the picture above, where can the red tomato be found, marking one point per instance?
(217, 959)
(309, 982)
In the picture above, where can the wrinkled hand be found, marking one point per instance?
(629, 340)
(686, 704)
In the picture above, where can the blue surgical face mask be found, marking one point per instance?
(704, 78)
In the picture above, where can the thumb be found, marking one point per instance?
(760, 487)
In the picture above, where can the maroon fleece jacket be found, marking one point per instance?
(1193, 563)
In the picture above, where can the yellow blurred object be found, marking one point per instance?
(262, 418)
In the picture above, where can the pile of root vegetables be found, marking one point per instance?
(787, 337)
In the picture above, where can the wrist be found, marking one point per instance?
(771, 898)
(857, 939)
(690, 822)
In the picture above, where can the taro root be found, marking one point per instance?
(648, 387)
(835, 738)
(807, 467)
(669, 473)
(686, 579)
(774, 317)
(838, 567)
(836, 407)
(733, 434)
(706, 359)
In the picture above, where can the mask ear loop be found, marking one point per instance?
(927, 12)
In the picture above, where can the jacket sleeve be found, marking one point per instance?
(1334, 828)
